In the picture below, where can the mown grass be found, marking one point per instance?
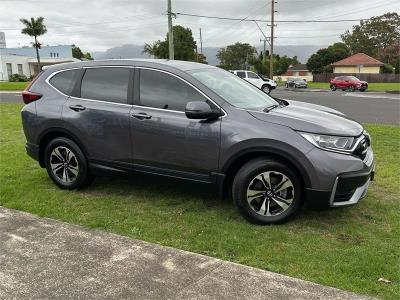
(13, 86)
(372, 87)
(348, 248)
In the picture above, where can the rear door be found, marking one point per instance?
(98, 113)
(254, 79)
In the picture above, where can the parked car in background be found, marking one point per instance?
(263, 83)
(296, 83)
(196, 122)
(350, 83)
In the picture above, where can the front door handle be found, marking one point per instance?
(77, 107)
(141, 116)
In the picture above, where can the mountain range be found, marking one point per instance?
(302, 52)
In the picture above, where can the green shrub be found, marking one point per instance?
(18, 78)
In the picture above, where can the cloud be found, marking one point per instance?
(102, 24)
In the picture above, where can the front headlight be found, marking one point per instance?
(340, 144)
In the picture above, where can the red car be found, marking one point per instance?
(350, 83)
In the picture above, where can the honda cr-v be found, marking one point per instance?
(196, 122)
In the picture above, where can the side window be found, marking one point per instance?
(252, 75)
(106, 84)
(161, 90)
(241, 74)
(64, 81)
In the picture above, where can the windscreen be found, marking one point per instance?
(233, 89)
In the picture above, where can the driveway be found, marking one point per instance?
(46, 259)
(367, 107)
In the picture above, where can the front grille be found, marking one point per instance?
(362, 148)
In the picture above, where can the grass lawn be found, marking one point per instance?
(13, 86)
(347, 248)
(372, 87)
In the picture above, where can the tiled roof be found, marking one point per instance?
(358, 59)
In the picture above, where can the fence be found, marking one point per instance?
(326, 77)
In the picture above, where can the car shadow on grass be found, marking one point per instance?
(177, 192)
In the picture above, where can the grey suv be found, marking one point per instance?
(195, 122)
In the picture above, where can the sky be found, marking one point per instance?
(97, 25)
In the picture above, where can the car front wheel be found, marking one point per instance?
(66, 164)
(266, 191)
(266, 89)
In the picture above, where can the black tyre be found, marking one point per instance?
(333, 87)
(66, 164)
(266, 191)
(343, 90)
(363, 90)
(266, 89)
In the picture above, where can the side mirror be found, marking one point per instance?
(200, 110)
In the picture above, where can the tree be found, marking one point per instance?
(373, 35)
(77, 53)
(184, 45)
(35, 28)
(391, 55)
(236, 56)
(282, 64)
(321, 61)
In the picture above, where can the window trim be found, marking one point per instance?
(185, 81)
(131, 93)
(80, 82)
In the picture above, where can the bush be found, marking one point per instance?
(388, 69)
(18, 78)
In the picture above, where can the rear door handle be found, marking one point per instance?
(141, 116)
(77, 107)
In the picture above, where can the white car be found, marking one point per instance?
(264, 84)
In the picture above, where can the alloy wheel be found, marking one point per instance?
(270, 193)
(266, 89)
(64, 164)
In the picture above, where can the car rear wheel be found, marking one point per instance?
(333, 87)
(66, 164)
(266, 89)
(266, 191)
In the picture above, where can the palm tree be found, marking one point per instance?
(35, 28)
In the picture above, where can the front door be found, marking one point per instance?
(163, 137)
(100, 114)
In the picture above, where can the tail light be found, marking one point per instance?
(28, 96)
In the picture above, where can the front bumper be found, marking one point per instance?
(347, 188)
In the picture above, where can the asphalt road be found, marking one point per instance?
(367, 107)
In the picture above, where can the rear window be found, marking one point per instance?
(64, 81)
(106, 84)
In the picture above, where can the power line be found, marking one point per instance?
(265, 21)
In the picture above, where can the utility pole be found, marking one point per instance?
(271, 53)
(201, 43)
(170, 32)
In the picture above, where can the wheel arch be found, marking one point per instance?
(53, 133)
(233, 165)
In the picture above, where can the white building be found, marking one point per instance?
(23, 60)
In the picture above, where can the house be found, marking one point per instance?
(23, 60)
(298, 71)
(359, 63)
